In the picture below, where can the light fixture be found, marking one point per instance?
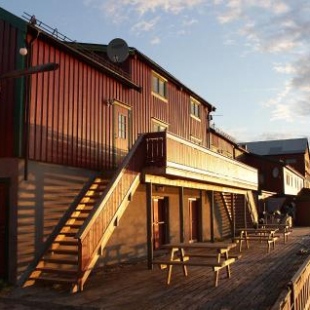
(23, 51)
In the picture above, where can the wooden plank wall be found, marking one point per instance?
(71, 122)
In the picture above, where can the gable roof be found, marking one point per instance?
(277, 147)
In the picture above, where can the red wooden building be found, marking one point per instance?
(103, 163)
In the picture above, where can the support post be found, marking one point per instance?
(181, 213)
(149, 225)
(212, 214)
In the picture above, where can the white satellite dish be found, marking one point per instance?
(118, 50)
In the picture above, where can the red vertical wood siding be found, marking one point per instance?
(71, 122)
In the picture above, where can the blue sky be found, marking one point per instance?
(248, 58)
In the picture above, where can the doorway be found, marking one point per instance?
(160, 222)
(4, 220)
(121, 131)
(194, 210)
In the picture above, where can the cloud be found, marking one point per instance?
(143, 7)
(155, 41)
(284, 68)
(145, 25)
(142, 16)
(276, 27)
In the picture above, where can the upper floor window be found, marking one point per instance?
(159, 125)
(195, 107)
(159, 85)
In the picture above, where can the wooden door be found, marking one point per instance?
(121, 132)
(160, 222)
(194, 220)
(4, 194)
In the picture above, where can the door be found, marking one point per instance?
(194, 220)
(121, 132)
(160, 222)
(4, 209)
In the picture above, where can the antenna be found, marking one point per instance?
(117, 50)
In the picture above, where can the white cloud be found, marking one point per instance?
(155, 41)
(144, 6)
(145, 25)
(284, 68)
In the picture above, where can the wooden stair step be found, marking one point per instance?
(84, 210)
(73, 225)
(81, 216)
(57, 270)
(87, 203)
(68, 233)
(64, 261)
(58, 280)
(64, 251)
(73, 242)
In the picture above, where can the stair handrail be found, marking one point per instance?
(117, 176)
(55, 232)
(87, 258)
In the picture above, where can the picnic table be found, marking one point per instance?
(213, 255)
(283, 229)
(261, 234)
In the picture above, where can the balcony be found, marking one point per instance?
(172, 156)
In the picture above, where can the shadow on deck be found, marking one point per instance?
(257, 281)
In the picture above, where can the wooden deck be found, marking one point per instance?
(257, 280)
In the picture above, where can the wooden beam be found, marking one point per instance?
(165, 180)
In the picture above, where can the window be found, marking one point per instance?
(159, 125)
(159, 85)
(122, 126)
(195, 107)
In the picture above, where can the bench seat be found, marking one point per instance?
(216, 266)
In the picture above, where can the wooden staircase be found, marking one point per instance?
(59, 263)
(72, 250)
(224, 218)
(235, 211)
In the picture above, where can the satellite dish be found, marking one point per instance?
(118, 50)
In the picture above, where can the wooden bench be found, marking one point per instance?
(285, 233)
(268, 239)
(216, 266)
(210, 255)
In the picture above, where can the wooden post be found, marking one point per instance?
(200, 215)
(245, 211)
(149, 225)
(233, 214)
(181, 213)
(212, 215)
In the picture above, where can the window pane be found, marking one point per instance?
(122, 126)
(155, 84)
(161, 89)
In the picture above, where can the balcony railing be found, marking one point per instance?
(175, 156)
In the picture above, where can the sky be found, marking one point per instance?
(248, 58)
